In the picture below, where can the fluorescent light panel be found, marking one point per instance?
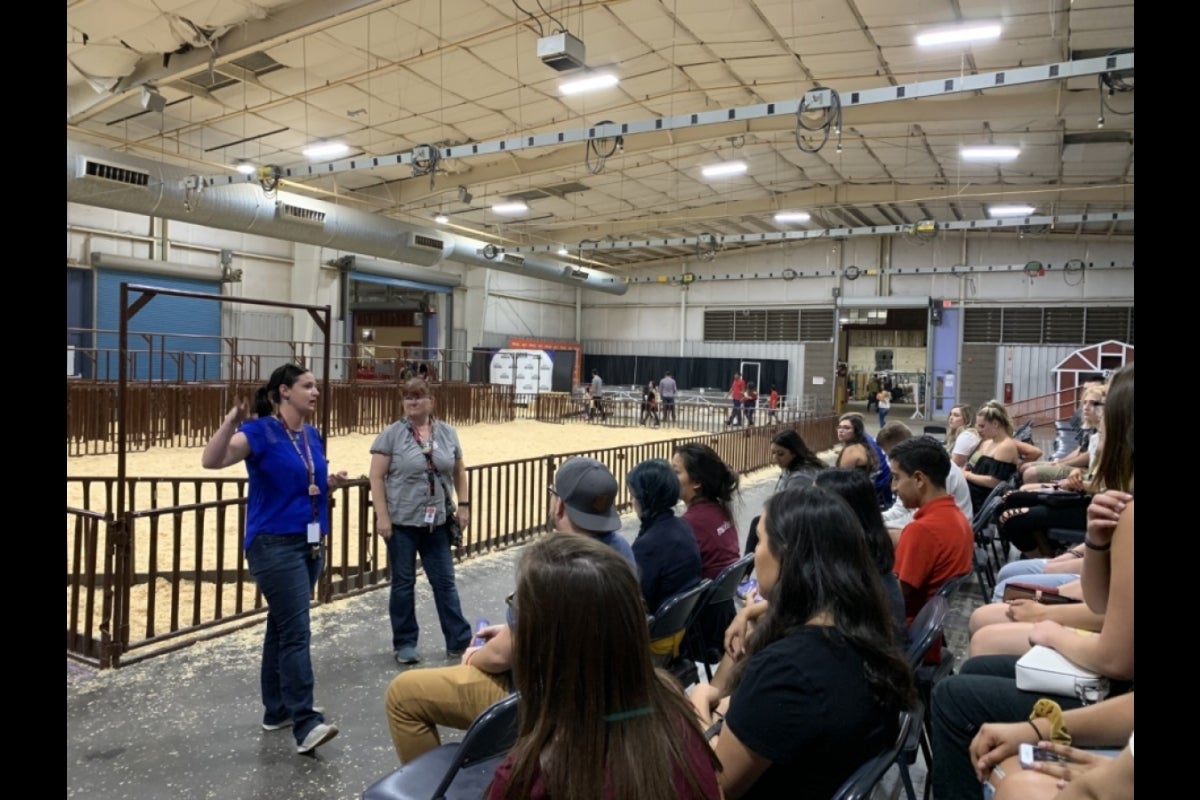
(724, 169)
(1010, 211)
(510, 208)
(960, 34)
(589, 83)
(792, 216)
(246, 168)
(992, 153)
(324, 150)
(441, 219)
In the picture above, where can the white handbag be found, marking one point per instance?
(1046, 671)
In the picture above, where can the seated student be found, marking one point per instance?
(823, 679)
(999, 629)
(668, 558)
(996, 458)
(1050, 572)
(707, 487)
(1091, 409)
(985, 690)
(419, 700)
(938, 544)
(860, 450)
(896, 517)
(594, 711)
(1107, 724)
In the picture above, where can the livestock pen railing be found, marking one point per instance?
(187, 415)
(168, 570)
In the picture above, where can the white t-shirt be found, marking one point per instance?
(965, 444)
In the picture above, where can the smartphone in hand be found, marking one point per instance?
(1027, 754)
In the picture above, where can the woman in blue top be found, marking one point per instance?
(287, 514)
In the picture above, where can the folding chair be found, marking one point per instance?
(457, 770)
(712, 617)
(669, 625)
(864, 780)
(923, 633)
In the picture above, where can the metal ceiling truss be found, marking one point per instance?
(888, 94)
(853, 272)
(707, 241)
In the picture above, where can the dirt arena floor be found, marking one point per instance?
(171, 548)
(482, 444)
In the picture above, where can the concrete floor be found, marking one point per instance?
(186, 725)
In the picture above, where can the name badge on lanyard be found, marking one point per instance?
(314, 533)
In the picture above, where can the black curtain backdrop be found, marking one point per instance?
(689, 373)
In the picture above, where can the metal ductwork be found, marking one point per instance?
(100, 177)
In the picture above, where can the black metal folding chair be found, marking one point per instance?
(457, 770)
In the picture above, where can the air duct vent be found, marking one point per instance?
(512, 259)
(286, 212)
(91, 168)
(421, 248)
(419, 240)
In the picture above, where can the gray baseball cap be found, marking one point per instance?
(589, 493)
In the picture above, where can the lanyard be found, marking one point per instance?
(427, 451)
(307, 459)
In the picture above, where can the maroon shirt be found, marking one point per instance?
(716, 534)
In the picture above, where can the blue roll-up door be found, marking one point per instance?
(183, 339)
(79, 321)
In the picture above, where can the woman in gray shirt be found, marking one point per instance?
(413, 464)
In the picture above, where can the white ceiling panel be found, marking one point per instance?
(423, 71)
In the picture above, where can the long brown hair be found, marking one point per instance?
(1115, 470)
(597, 719)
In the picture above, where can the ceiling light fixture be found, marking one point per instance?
(960, 34)
(441, 219)
(724, 169)
(325, 150)
(510, 208)
(245, 167)
(1010, 211)
(588, 83)
(989, 153)
(562, 251)
(792, 216)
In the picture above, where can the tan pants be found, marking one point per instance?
(419, 700)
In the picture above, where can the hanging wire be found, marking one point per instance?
(1114, 82)
(593, 147)
(831, 120)
(540, 30)
(561, 29)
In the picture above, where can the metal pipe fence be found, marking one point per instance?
(169, 569)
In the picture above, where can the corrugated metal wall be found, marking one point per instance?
(259, 333)
(977, 376)
(1032, 368)
(818, 362)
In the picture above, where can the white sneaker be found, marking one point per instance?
(287, 723)
(318, 736)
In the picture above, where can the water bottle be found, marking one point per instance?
(480, 624)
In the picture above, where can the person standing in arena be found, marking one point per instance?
(666, 390)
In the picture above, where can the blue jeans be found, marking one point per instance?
(735, 416)
(883, 412)
(436, 559)
(984, 690)
(285, 573)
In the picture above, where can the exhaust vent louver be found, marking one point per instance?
(286, 212)
(514, 259)
(91, 168)
(421, 248)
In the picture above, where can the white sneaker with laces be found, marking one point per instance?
(318, 736)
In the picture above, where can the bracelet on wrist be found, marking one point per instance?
(464, 502)
(1090, 545)
(1035, 730)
